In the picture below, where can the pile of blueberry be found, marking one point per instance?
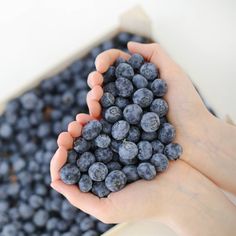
(133, 140)
(29, 127)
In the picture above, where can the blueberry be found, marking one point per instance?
(102, 141)
(133, 113)
(70, 174)
(4, 168)
(67, 98)
(123, 38)
(121, 102)
(86, 223)
(159, 106)
(115, 144)
(150, 122)
(107, 100)
(101, 227)
(128, 150)
(146, 171)
(143, 97)
(139, 81)
(52, 224)
(131, 173)
(124, 70)
(29, 101)
(173, 151)
(91, 130)
(26, 212)
(149, 71)
(90, 232)
(103, 154)
(6, 131)
(40, 218)
(109, 75)
(136, 61)
(113, 114)
(110, 88)
(81, 145)
(4, 206)
(163, 120)
(120, 129)
(43, 130)
(85, 183)
(157, 146)
(166, 133)
(29, 227)
(149, 136)
(100, 189)
(36, 201)
(124, 87)
(85, 161)
(115, 180)
(113, 165)
(159, 87)
(144, 150)
(160, 161)
(106, 126)
(134, 134)
(9, 230)
(98, 171)
(81, 98)
(72, 156)
(119, 60)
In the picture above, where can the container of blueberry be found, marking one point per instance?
(29, 126)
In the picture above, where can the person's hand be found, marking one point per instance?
(209, 145)
(175, 197)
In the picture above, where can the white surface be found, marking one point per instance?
(200, 35)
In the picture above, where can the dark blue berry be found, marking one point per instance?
(113, 114)
(133, 113)
(103, 154)
(113, 165)
(157, 146)
(6, 131)
(131, 173)
(139, 81)
(146, 171)
(144, 150)
(149, 71)
(115, 180)
(29, 101)
(67, 98)
(85, 161)
(124, 70)
(102, 141)
(120, 129)
(150, 122)
(173, 151)
(70, 174)
(159, 87)
(91, 130)
(143, 97)
(149, 136)
(160, 161)
(98, 171)
(124, 87)
(119, 60)
(134, 134)
(72, 156)
(87, 223)
(121, 102)
(107, 100)
(136, 61)
(166, 133)
(128, 150)
(40, 218)
(109, 75)
(90, 232)
(36, 201)
(85, 183)
(110, 88)
(100, 189)
(159, 106)
(25, 211)
(115, 144)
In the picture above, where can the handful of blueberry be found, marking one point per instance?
(133, 140)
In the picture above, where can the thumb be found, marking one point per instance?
(154, 53)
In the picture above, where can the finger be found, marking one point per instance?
(107, 58)
(83, 118)
(65, 140)
(95, 78)
(74, 128)
(57, 161)
(155, 53)
(87, 202)
(95, 93)
(94, 108)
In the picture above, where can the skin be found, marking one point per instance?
(187, 191)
